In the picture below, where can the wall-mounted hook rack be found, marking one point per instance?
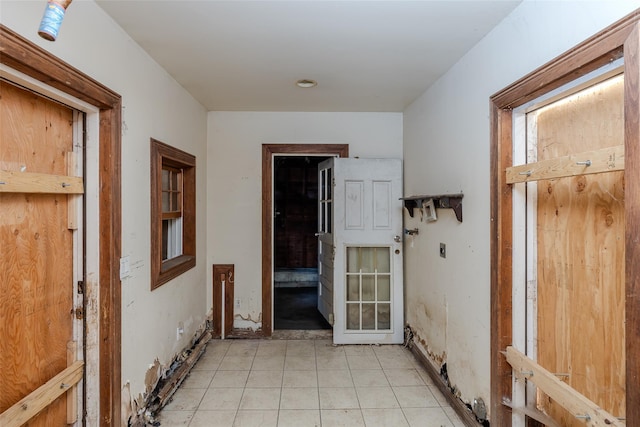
(442, 201)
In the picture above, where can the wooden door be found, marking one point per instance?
(365, 220)
(38, 231)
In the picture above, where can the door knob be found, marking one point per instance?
(320, 234)
(397, 239)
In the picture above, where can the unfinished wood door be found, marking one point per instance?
(39, 249)
(581, 253)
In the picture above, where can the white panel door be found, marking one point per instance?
(325, 239)
(365, 244)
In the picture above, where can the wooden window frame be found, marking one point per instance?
(622, 39)
(163, 157)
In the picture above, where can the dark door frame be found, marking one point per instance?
(618, 40)
(26, 57)
(268, 151)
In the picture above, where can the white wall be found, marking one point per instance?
(235, 181)
(154, 105)
(446, 149)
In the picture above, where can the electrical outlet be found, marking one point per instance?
(443, 250)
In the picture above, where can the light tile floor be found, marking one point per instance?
(299, 383)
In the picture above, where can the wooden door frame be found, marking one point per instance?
(620, 39)
(268, 150)
(22, 55)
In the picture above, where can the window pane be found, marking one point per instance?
(353, 288)
(166, 206)
(353, 316)
(383, 260)
(165, 179)
(175, 206)
(368, 316)
(384, 288)
(165, 239)
(174, 180)
(368, 288)
(329, 217)
(329, 183)
(352, 260)
(384, 316)
(366, 264)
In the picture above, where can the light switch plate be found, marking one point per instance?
(443, 250)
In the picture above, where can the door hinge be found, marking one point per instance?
(81, 286)
(79, 313)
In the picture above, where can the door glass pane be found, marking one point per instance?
(352, 260)
(383, 260)
(353, 288)
(329, 215)
(329, 184)
(368, 316)
(368, 288)
(384, 288)
(384, 316)
(353, 316)
(367, 261)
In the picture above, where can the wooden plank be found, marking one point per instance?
(574, 402)
(72, 394)
(632, 226)
(41, 183)
(607, 159)
(43, 396)
(72, 199)
(580, 252)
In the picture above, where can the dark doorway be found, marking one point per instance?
(295, 223)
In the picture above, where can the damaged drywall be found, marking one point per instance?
(247, 323)
(161, 382)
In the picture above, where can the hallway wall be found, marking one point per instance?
(446, 150)
(235, 181)
(154, 105)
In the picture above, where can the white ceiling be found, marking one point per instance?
(366, 55)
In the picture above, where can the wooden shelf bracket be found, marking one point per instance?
(442, 201)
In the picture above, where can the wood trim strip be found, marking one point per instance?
(632, 224)
(29, 406)
(604, 160)
(560, 392)
(40, 183)
(598, 50)
(268, 150)
(22, 55)
(501, 264)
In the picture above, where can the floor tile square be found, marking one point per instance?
(395, 362)
(342, 418)
(213, 418)
(272, 348)
(236, 363)
(358, 350)
(260, 398)
(299, 398)
(198, 379)
(260, 379)
(377, 398)
(175, 418)
(453, 416)
(331, 361)
(421, 417)
(229, 379)
(385, 418)
(338, 398)
(216, 399)
(363, 362)
(369, 378)
(335, 379)
(438, 395)
(268, 363)
(256, 419)
(299, 418)
(299, 363)
(301, 348)
(403, 377)
(208, 363)
(243, 348)
(415, 397)
(300, 379)
(185, 399)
